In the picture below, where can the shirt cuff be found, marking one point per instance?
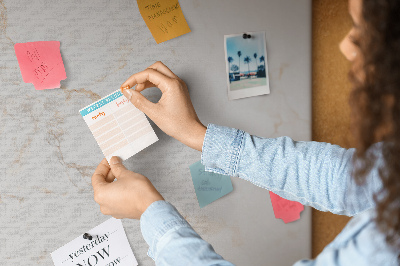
(158, 219)
(222, 148)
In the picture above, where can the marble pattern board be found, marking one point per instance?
(48, 154)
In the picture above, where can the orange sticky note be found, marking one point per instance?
(164, 18)
(41, 63)
(284, 209)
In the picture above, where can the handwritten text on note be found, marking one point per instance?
(284, 209)
(41, 63)
(209, 186)
(164, 19)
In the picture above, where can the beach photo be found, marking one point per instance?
(246, 65)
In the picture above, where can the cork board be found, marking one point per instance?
(330, 97)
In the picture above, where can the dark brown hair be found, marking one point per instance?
(375, 102)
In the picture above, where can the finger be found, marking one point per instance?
(117, 167)
(142, 86)
(100, 174)
(140, 102)
(104, 210)
(110, 177)
(159, 80)
(139, 87)
(160, 67)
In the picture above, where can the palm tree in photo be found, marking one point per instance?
(262, 59)
(262, 72)
(234, 68)
(247, 60)
(230, 60)
(239, 55)
(255, 58)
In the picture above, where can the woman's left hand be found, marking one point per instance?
(127, 197)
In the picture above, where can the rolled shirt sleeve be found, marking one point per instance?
(316, 174)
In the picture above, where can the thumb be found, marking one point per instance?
(117, 167)
(139, 101)
(99, 176)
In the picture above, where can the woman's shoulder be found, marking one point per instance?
(366, 242)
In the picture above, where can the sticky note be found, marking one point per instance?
(109, 246)
(209, 186)
(41, 63)
(284, 209)
(118, 126)
(164, 18)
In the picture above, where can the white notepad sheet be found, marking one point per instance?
(118, 126)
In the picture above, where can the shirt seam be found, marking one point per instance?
(238, 152)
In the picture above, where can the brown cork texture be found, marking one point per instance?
(330, 99)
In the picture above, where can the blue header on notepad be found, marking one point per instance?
(100, 103)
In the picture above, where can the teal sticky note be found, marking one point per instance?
(209, 186)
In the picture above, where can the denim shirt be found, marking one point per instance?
(312, 173)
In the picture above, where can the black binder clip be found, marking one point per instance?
(246, 36)
(87, 236)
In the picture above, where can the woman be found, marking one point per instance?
(316, 174)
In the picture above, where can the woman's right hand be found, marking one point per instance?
(174, 112)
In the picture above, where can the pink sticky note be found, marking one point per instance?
(284, 209)
(41, 63)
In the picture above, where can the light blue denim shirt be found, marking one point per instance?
(312, 173)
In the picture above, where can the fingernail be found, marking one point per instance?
(125, 88)
(129, 93)
(115, 160)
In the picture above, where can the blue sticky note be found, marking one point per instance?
(209, 186)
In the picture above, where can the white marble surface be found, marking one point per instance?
(48, 154)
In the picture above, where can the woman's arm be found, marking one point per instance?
(312, 173)
(315, 174)
(172, 241)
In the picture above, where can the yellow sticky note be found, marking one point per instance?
(164, 18)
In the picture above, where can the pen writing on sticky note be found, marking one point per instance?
(41, 63)
(287, 210)
(164, 18)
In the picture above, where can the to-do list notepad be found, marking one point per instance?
(118, 126)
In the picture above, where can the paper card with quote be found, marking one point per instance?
(109, 246)
(118, 126)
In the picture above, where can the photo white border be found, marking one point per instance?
(248, 92)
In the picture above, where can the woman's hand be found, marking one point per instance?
(127, 197)
(174, 112)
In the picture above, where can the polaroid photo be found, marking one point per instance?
(246, 65)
